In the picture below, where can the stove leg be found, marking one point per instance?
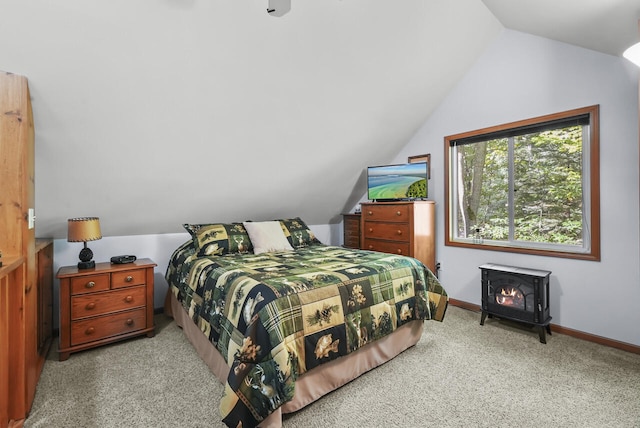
(483, 317)
(541, 333)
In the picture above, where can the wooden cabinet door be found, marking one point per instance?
(18, 336)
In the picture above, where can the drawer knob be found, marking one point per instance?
(128, 299)
(90, 284)
(370, 212)
(371, 247)
(90, 306)
(399, 232)
(129, 321)
(398, 213)
(399, 251)
(129, 278)
(89, 331)
(370, 229)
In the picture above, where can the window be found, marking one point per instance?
(530, 187)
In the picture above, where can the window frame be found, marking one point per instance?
(592, 217)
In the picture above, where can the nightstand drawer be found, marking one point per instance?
(399, 248)
(93, 329)
(352, 222)
(128, 278)
(89, 305)
(386, 212)
(89, 283)
(352, 242)
(389, 231)
(352, 232)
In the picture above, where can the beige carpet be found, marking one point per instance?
(460, 374)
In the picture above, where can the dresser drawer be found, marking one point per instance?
(89, 283)
(352, 243)
(352, 222)
(88, 305)
(93, 329)
(128, 278)
(350, 233)
(386, 212)
(389, 231)
(398, 248)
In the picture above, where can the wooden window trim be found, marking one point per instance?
(594, 185)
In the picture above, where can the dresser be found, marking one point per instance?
(405, 228)
(351, 230)
(104, 304)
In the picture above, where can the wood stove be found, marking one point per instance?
(517, 294)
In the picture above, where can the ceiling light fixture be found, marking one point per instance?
(278, 7)
(633, 54)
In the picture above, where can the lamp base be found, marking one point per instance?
(86, 265)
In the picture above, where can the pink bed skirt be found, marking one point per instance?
(315, 383)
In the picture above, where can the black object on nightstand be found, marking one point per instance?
(120, 260)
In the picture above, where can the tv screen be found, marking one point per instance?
(397, 182)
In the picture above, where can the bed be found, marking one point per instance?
(282, 319)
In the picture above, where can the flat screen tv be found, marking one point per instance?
(397, 182)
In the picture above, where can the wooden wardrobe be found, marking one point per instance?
(20, 359)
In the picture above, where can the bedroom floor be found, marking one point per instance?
(459, 374)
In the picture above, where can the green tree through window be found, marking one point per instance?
(530, 186)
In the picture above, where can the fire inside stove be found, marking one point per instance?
(510, 296)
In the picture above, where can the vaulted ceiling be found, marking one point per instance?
(608, 26)
(151, 114)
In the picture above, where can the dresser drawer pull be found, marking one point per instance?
(128, 299)
(90, 306)
(90, 284)
(89, 331)
(399, 232)
(129, 278)
(399, 251)
(371, 247)
(398, 213)
(129, 321)
(370, 229)
(370, 212)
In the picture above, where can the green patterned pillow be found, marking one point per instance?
(298, 233)
(217, 239)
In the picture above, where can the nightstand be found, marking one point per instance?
(105, 304)
(351, 230)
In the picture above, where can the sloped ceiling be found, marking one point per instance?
(608, 26)
(150, 114)
(154, 113)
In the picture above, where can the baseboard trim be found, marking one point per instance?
(563, 330)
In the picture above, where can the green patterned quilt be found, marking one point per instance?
(274, 316)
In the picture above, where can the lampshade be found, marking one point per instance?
(83, 229)
(633, 54)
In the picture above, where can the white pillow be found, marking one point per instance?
(267, 236)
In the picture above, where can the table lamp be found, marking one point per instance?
(83, 229)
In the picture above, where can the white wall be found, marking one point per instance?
(150, 113)
(523, 76)
(155, 247)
